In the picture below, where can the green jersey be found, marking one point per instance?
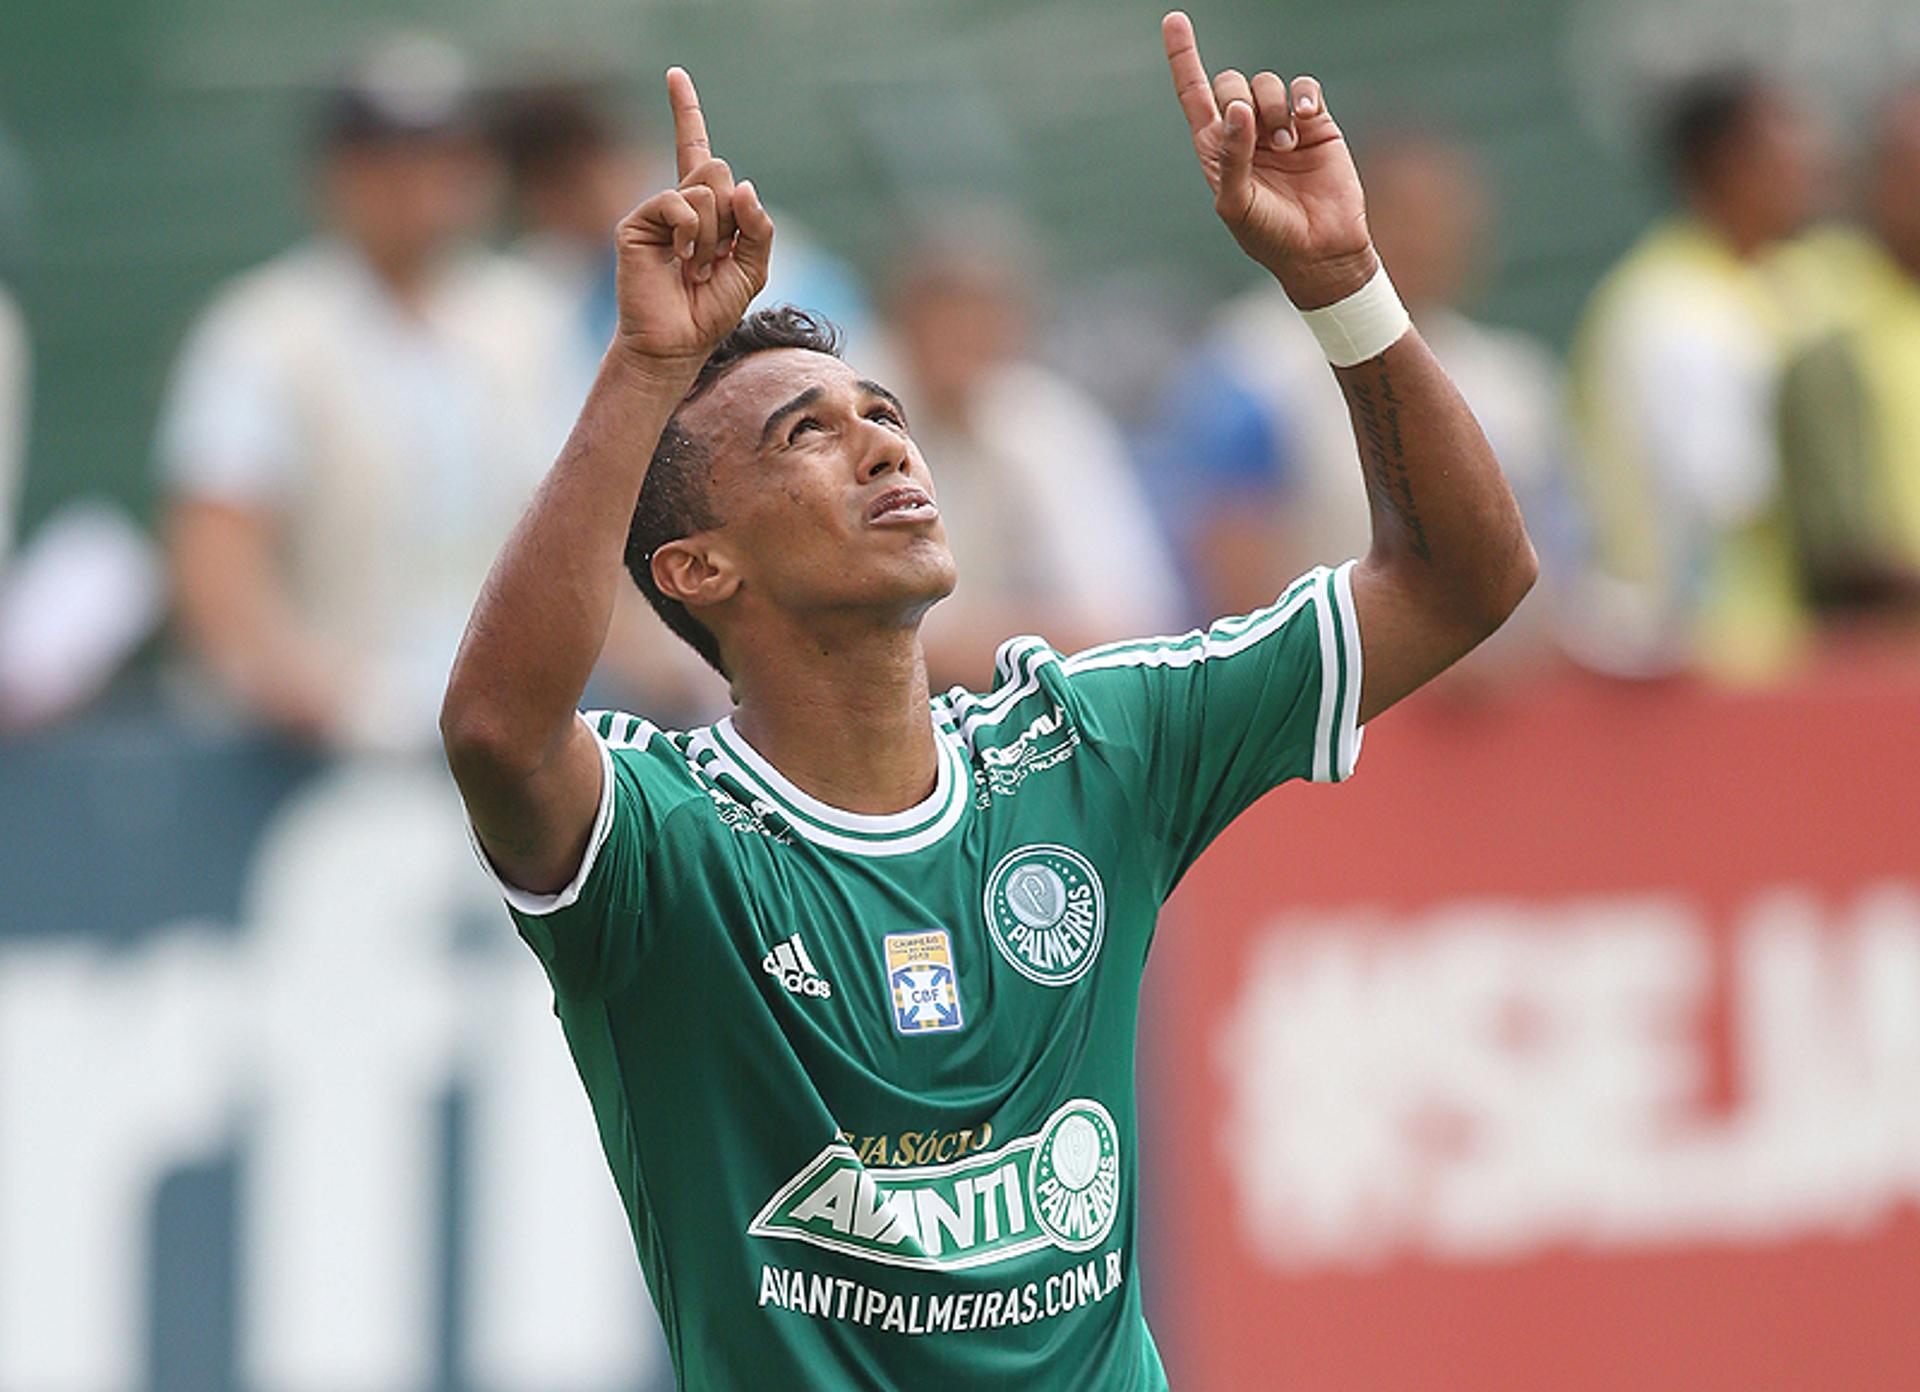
(866, 1082)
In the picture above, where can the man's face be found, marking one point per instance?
(585, 195)
(827, 503)
(954, 332)
(1894, 185)
(1780, 172)
(1426, 208)
(407, 200)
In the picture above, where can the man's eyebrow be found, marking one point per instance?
(873, 388)
(780, 413)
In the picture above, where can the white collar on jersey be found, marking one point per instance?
(721, 748)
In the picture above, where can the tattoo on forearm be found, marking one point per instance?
(1383, 455)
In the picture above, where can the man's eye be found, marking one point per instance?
(804, 424)
(885, 414)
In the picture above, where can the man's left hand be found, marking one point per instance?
(1282, 178)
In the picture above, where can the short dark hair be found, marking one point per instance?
(1705, 117)
(549, 130)
(675, 497)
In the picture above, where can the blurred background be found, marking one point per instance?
(1576, 1044)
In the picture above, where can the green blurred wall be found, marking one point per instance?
(161, 141)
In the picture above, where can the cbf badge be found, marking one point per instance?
(921, 978)
(1046, 912)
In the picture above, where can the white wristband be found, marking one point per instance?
(1363, 325)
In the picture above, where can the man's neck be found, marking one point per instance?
(405, 280)
(1906, 256)
(845, 717)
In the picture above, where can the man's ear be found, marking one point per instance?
(695, 572)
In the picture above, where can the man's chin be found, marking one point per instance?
(926, 586)
(904, 589)
(925, 571)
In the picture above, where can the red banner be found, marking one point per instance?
(1575, 1044)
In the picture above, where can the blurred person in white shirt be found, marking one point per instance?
(1259, 449)
(353, 427)
(1037, 489)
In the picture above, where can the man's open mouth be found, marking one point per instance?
(902, 505)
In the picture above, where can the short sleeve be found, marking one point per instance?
(227, 427)
(588, 934)
(1218, 717)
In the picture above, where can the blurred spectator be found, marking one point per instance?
(77, 599)
(353, 427)
(84, 591)
(1850, 407)
(1676, 370)
(573, 176)
(1258, 438)
(1051, 529)
(576, 171)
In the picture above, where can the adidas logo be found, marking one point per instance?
(789, 964)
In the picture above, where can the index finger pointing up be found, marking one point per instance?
(690, 146)
(1190, 83)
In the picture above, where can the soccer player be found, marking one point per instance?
(851, 975)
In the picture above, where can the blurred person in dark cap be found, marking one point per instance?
(1676, 371)
(574, 172)
(1850, 406)
(576, 165)
(353, 426)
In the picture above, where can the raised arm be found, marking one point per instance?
(690, 261)
(1449, 558)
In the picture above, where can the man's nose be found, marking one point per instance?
(882, 452)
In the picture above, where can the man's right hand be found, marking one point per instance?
(690, 261)
(692, 258)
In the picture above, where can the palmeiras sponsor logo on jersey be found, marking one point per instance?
(1059, 1187)
(1047, 913)
(1075, 1175)
(922, 983)
(1049, 739)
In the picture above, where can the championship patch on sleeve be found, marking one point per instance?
(922, 982)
